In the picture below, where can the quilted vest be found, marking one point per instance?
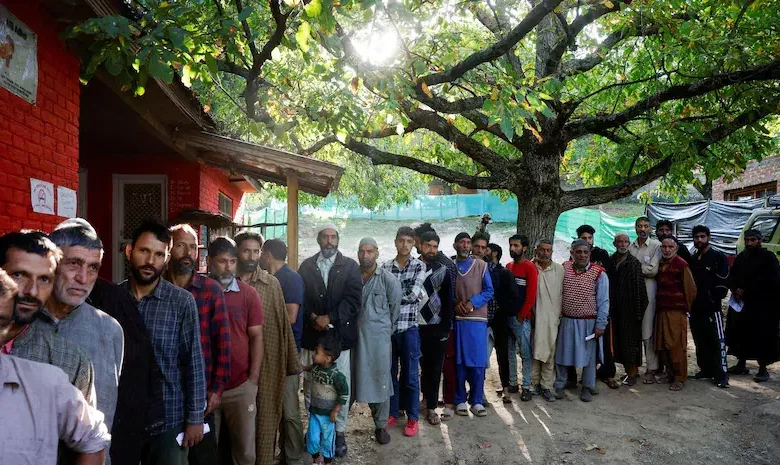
(579, 291)
(670, 295)
(469, 284)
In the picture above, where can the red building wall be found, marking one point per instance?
(39, 141)
(212, 182)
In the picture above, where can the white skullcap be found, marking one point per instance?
(368, 241)
(327, 226)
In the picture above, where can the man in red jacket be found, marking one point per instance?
(520, 324)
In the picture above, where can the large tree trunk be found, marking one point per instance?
(538, 201)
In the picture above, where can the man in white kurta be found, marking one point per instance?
(648, 251)
(547, 318)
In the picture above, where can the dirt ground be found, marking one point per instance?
(646, 425)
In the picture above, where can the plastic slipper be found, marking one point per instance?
(433, 419)
(478, 410)
(463, 409)
(447, 414)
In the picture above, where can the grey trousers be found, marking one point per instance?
(291, 429)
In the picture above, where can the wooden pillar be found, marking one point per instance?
(292, 219)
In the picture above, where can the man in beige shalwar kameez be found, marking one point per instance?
(547, 317)
(280, 353)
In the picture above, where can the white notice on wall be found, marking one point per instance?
(42, 196)
(66, 202)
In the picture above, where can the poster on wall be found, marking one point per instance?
(42, 196)
(67, 205)
(18, 57)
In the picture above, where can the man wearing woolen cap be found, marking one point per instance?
(333, 291)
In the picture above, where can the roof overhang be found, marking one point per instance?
(257, 162)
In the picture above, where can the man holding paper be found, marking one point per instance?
(583, 319)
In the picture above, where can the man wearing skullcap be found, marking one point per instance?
(674, 300)
(371, 358)
(333, 291)
(583, 319)
(751, 333)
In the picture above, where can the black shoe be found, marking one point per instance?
(514, 389)
(341, 445)
(547, 395)
(559, 394)
(700, 375)
(762, 376)
(526, 395)
(585, 395)
(722, 383)
(381, 435)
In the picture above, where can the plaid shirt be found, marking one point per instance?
(39, 343)
(214, 331)
(412, 279)
(171, 319)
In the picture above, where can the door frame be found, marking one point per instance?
(119, 181)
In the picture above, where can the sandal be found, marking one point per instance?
(447, 414)
(676, 386)
(612, 383)
(433, 419)
(648, 378)
(478, 410)
(463, 409)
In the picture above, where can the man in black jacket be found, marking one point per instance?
(710, 270)
(333, 292)
(507, 302)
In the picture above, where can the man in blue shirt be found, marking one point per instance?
(272, 259)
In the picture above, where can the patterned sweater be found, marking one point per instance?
(328, 389)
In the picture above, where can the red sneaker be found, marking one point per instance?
(392, 421)
(411, 428)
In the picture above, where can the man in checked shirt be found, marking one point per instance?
(214, 329)
(406, 337)
(171, 319)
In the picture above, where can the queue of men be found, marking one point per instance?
(174, 367)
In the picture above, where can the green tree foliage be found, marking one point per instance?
(488, 94)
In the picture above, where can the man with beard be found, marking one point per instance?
(98, 334)
(273, 255)
(546, 318)
(648, 251)
(42, 407)
(332, 297)
(280, 358)
(372, 362)
(171, 318)
(676, 293)
(435, 321)
(237, 413)
(410, 272)
(506, 298)
(752, 333)
(30, 258)
(628, 302)
(583, 319)
(473, 290)
(710, 271)
(665, 228)
(598, 255)
(445, 320)
(214, 328)
(520, 320)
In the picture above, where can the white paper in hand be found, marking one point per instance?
(736, 304)
(591, 337)
(180, 437)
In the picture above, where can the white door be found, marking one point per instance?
(136, 198)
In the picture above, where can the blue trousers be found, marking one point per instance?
(476, 378)
(321, 436)
(520, 333)
(406, 387)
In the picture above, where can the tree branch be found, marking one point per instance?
(503, 46)
(592, 124)
(581, 65)
(596, 195)
(381, 157)
(248, 32)
(319, 145)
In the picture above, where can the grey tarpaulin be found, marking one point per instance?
(725, 220)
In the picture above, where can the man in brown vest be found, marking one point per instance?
(473, 290)
(583, 319)
(674, 298)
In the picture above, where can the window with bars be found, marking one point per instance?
(225, 205)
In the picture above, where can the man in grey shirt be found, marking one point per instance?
(97, 333)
